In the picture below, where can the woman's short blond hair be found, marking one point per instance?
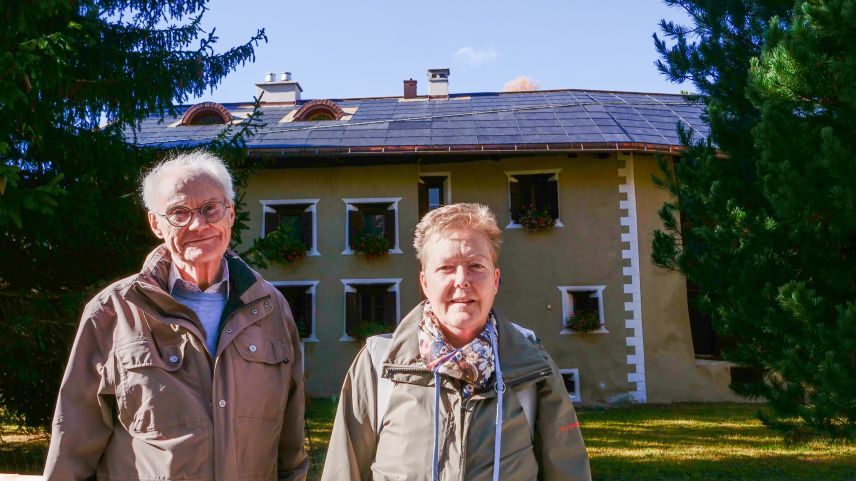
(457, 216)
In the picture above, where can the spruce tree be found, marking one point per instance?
(767, 205)
(75, 79)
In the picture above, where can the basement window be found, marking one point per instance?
(571, 379)
(579, 301)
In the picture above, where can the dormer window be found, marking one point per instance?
(206, 113)
(317, 110)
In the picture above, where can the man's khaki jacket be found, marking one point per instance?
(403, 448)
(142, 398)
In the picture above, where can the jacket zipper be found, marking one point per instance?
(403, 369)
(535, 375)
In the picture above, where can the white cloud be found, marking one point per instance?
(475, 57)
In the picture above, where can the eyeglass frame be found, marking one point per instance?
(226, 207)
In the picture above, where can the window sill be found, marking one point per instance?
(513, 225)
(602, 330)
(347, 338)
(350, 252)
(313, 253)
(309, 339)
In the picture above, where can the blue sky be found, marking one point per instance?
(345, 49)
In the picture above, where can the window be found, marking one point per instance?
(571, 379)
(433, 192)
(206, 113)
(577, 300)
(317, 110)
(298, 216)
(301, 299)
(533, 190)
(376, 216)
(368, 303)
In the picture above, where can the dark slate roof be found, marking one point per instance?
(522, 121)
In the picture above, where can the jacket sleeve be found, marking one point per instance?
(559, 444)
(292, 462)
(83, 419)
(354, 440)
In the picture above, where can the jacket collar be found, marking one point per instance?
(518, 356)
(150, 287)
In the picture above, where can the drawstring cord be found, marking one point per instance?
(499, 387)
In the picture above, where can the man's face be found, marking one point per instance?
(460, 280)
(199, 242)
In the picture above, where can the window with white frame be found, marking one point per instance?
(301, 299)
(571, 378)
(533, 191)
(371, 217)
(296, 217)
(371, 306)
(582, 309)
(433, 191)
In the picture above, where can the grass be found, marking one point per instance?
(683, 442)
(705, 442)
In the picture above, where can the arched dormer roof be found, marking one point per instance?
(206, 113)
(319, 110)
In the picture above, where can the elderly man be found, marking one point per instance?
(190, 369)
(457, 392)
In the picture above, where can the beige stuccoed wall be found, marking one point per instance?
(673, 373)
(586, 251)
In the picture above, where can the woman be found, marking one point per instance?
(424, 404)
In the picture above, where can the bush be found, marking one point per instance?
(372, 245)
(534, 220)
(583, 321)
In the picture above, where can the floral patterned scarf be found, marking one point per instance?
(472, 363)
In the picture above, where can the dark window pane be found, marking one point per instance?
(570, 382)
(534, 191)
(300, 301)
(585, 301)
(371, 304)
(292, 217)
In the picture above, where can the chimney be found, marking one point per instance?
(410, 89)
(438, 83)
(284, 90)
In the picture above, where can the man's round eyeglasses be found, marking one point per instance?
(181, 216)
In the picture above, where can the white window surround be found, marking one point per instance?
(393, 201)
(447, 184)
(313, 249)
(567, 306)
(575, 396)
(512, 173)
(349, 283)
(311, 285)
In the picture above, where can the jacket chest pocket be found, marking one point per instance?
(262, 371)
(157, 390)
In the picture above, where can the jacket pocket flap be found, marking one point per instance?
(145, 354)
(266, 351)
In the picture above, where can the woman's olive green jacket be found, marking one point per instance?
(402, 448)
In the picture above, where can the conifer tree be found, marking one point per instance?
(75, 78)
(767, 206)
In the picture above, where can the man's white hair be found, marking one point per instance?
(188, 163)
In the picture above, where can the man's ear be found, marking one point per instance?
(153, 224)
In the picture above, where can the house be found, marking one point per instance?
(343, 169)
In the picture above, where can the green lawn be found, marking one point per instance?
(687, 442)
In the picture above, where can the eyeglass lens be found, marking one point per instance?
(211, 212)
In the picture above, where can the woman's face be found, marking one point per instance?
(460, 280)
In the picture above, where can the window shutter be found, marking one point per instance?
(352, 311)
(423, 198)
(306, 229)
(389, 227)
(389, 309)
(552, 197)
(271, 222)
(514, 193)
(355, 226)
